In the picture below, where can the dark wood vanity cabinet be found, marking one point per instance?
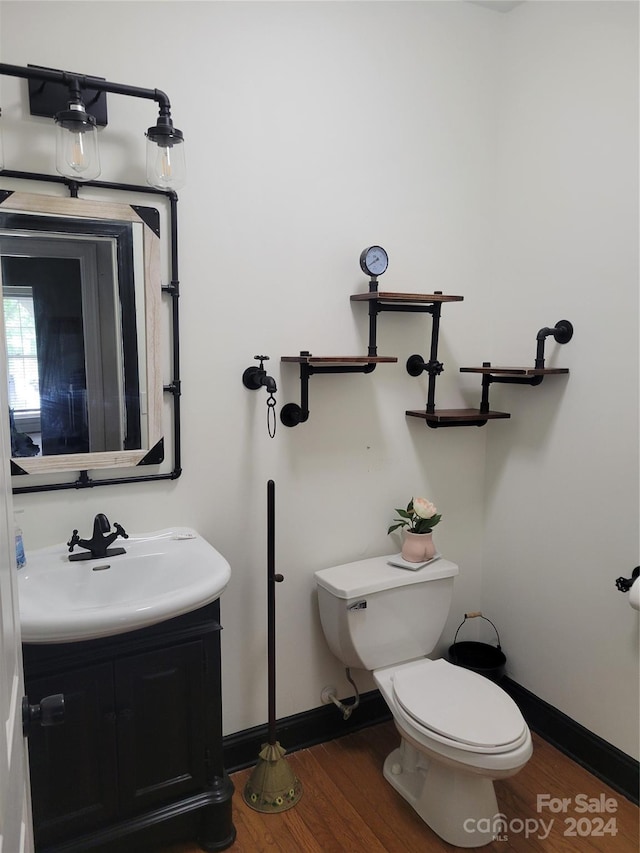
(73, 767)
(137, 762)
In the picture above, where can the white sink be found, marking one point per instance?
(162, 575)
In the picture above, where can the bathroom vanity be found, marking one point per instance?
(137, 762)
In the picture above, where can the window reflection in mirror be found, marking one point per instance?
(22, 370)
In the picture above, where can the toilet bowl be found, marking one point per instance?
(459, 730)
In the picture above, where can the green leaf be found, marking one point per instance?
(425, 525)
(394, 527)
(404, 514)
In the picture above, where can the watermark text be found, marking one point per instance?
(580, 816)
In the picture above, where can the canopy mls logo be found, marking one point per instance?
(499, 826)
(597, 824)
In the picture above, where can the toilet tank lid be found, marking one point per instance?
(352, 580)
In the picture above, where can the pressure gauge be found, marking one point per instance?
(374, 261)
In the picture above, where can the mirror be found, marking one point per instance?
(81, 293)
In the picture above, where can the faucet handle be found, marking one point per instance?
(120, 530)
(73, 541)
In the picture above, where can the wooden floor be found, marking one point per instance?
(347, 805)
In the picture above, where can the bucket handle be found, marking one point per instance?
(472, 615)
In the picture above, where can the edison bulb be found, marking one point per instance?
(77, 154)
(166, 168)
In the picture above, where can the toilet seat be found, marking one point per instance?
(457, 707)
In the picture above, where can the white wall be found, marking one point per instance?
(562, 487)
(315, 129)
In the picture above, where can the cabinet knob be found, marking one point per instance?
(48, 712)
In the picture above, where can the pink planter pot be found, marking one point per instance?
(418, 547)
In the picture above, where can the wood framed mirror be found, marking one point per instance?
(82, 293)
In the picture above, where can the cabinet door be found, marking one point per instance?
(73, 766)
(160, 710)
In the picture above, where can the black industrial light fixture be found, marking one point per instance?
(63, 95)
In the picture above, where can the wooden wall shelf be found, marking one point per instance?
(387, 297)
(515, 371)
(456, 417)
(319, 361)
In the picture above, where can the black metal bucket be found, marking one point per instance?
(482, 658)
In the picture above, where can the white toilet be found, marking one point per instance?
(459, 730)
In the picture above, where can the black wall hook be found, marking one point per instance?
(625, 584)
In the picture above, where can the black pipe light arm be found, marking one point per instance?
(67, 78)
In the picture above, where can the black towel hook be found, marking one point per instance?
(625, 584)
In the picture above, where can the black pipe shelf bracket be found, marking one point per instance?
(426, 303)
(562, 333)
(431, 303)
(293, 414)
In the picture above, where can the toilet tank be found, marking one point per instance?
(374, 614)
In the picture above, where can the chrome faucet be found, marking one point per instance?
(98, 546)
